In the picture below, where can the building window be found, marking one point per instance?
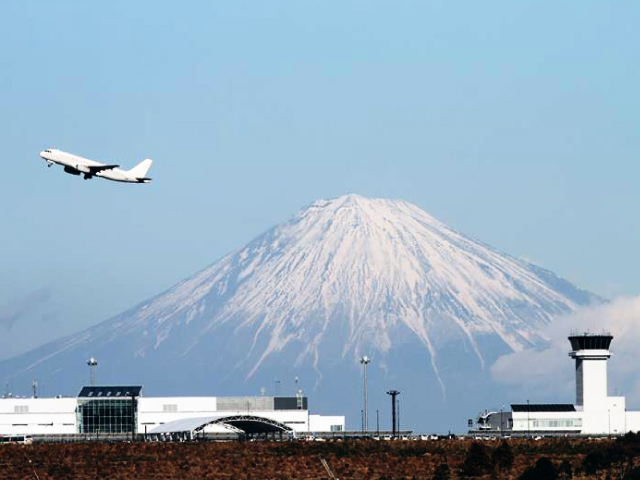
(21, 409)
(336, 428)
(170, 407)
(107, 416)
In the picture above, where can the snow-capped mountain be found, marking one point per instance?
(342, 278)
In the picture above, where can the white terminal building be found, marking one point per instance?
(100, 410)
(594, 411)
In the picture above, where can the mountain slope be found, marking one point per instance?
(342, 278)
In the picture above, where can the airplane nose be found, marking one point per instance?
(42, 154)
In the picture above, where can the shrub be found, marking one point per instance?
(565, 472)
(477, 462)
(442, 472)
(544, 469)
(595, 461)
(633, 474)
(503, 457)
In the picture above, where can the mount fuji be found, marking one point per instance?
(342, 278)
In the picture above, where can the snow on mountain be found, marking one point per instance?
(342, 278)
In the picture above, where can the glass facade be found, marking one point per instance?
(113, 415)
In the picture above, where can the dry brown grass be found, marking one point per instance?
(286, 460)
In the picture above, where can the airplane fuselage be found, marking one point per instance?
(77, 165)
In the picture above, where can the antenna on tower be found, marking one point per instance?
(93, 363)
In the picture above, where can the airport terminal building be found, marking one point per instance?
(123, 409)
(594, 411)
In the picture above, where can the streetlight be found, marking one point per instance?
(365, 361)
(394, 394)
(93, 363)
(277, 387)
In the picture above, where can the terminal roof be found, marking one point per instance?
(110, 391)
(251, 424)
(543, 407)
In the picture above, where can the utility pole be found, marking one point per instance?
(394, 394)
(365, 361)
(377, 422)
(34, 386)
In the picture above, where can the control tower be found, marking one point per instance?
(591, 353)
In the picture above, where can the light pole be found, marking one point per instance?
(365, 361)
(394, 394)
(93, 363)
(528, 427)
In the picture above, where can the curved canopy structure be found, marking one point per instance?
(247, 424)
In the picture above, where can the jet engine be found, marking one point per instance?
(82, 168)
(71, 170)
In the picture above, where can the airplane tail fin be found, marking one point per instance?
(140, 170)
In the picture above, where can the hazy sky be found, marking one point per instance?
(515, 122)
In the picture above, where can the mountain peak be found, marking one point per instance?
(342, 278)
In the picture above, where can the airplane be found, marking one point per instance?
(76, 165)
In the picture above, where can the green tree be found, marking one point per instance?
(477, 462)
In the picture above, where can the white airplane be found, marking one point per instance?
(76, 165)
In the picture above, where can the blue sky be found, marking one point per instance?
(514, 122)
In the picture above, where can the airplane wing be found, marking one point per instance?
(98, 168)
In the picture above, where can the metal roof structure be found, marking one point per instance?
(250, 424)
(543, 407)
(110, 391)
(589, 341)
